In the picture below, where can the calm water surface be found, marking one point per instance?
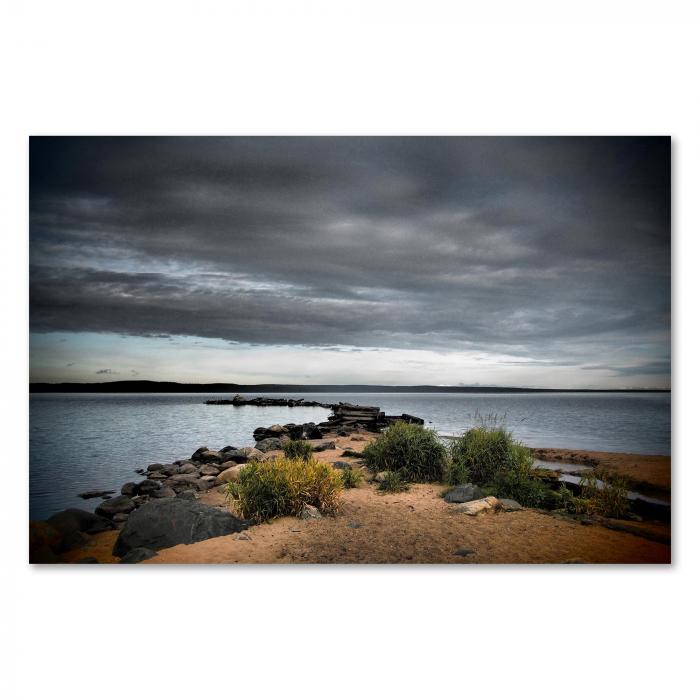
(95, 441)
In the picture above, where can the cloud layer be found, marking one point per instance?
(548, 250)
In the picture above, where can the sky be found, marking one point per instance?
(499, 261)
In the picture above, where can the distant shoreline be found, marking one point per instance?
(144, 387)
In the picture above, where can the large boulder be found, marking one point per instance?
(312, 432)
(77, 520)
(209, 456)
(209, 470)
(171, 521)
(464, 493)
(112, 506)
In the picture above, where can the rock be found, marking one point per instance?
(354, 526)
(120, 518)
(228, 448)
(157, 476)
(140, 500)
(310, 513)
(147, 487)
(138, 554)
(379, 477)
(464, 493)
(140, 471)
(45, 542)
(170, 521)
(186, 468)
(312, 431)
(274, 431)
(197, 452)
(209, 470)
(94, 494)
(164, 492)
(154, 467)
(112, 506)
(180, 482)
(206, 483)
(209, 456)
(483, 505)
(87, 560)
(245, 454)
(188, 495)
(508, 504)
(342, 465)
(268, 444)
(231, 474)
(328, 445)
(243, 536)
(74, 519)
(74, 540)
(294, 431)
(129, 489)
(464, 552)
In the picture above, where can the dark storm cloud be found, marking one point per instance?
(554, 249)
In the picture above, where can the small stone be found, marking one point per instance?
(464, 552)
(464, 493)
(243, 536)
(342, 465)
(354, 526)
(310, 513)
(509, 505)
(483, 505)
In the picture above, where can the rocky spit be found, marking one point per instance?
(345, 416)
(160, 508)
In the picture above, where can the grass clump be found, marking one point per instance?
(297, 449)
(283, 486)
(602, 494)
(393, 482)
(491, 458)
(413, 451)
(351, 478)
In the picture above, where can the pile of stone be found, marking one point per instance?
(239, 400)
(347, 417)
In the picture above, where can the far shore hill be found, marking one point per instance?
(145, 387)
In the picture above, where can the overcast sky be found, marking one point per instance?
(541, 262)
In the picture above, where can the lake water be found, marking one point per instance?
(96, 441)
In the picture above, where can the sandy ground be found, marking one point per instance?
(413, 527)
(644, 472)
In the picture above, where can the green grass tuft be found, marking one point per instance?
(297, 449)
(351, 478)
(412, 450)
(393, 482)
(283, 487)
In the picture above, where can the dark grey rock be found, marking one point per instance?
(140, 500)
(245, 454)
(75, 519)
(154, 467)
(464, 552)
(95, 494)
(164, 492)
(342, 465)
(112, 506)
(464, 493)
(209, 470)
(147, 487)
(268, 444)
(138, 554)
(328, 445)
(186, 468)
(312, 432)
(187, 495)
(129, 489)
(170, 521)
(508, 504)
(354, 526)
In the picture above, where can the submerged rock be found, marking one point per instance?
(95, 494)
(167, 522)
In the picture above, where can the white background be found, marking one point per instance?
(347, 68)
